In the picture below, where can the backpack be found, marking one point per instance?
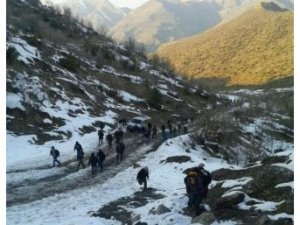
(194, 183)
(206, 177)
(56, 153)
(80, 152)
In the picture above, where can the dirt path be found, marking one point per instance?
(33, 189)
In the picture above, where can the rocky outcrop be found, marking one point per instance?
(177, 159)
(247, 201)
(206, 218)
(230, 201)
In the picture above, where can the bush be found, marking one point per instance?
(11, 55)
(155, 98)
(70, 63)
(130, 45)
(33, 41)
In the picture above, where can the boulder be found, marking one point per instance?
(134, 218)
(230, 201)
(141, 223)
(206, 218)
(178, 159)
(263, 220)
(161, 209)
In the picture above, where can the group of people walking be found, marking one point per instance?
(149, 132)
(96, 159)
(196, 180)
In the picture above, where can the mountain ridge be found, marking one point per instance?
(100, 14)
(160, 21)
(252, 49)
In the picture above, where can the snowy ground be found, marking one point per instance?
(72, 207)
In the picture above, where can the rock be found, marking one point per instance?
(206, 218)
(134, 218)
(263, 220)
(275, 159)
(161, 209)
(178, 159)
(278, 150)
(136, 165)
(230, 200)
(264, 181)
(141, 223)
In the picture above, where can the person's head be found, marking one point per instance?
(100, 149)
(93, 154)
(52, 147)
(76, 143)
(201, 165)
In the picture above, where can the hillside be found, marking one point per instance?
(78, 73)
(159, 21)
(252, 49)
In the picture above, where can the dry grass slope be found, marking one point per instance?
(253, 49)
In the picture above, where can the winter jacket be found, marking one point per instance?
(101, 156)
(93, 160)
(142, 175)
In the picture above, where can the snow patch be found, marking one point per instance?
(26, 52)
(14, 101)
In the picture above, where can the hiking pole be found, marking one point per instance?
(184, 195)
(180, 188)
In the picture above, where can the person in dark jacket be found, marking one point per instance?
(170, 128)
(154, 132)
(185, 129)
(120, 151)
(80, 155)
(147, 135)
(109, 139)
(101, 158)
(118, 135)
(100, 135)
(142, 177)
(149, 125)
(93, 161)
(55, 154)
(205, 176)
(194, 189)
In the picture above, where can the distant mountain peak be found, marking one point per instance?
(100, 13)
(272, 6)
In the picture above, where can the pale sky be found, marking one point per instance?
(128, 3)
(120, 3)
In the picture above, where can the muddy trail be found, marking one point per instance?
(68, 178)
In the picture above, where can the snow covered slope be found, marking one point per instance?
(120, 199)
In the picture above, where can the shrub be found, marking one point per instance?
(11, 55)
(130, 45)
(33, 41)
(70, 63)
(155, 98)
